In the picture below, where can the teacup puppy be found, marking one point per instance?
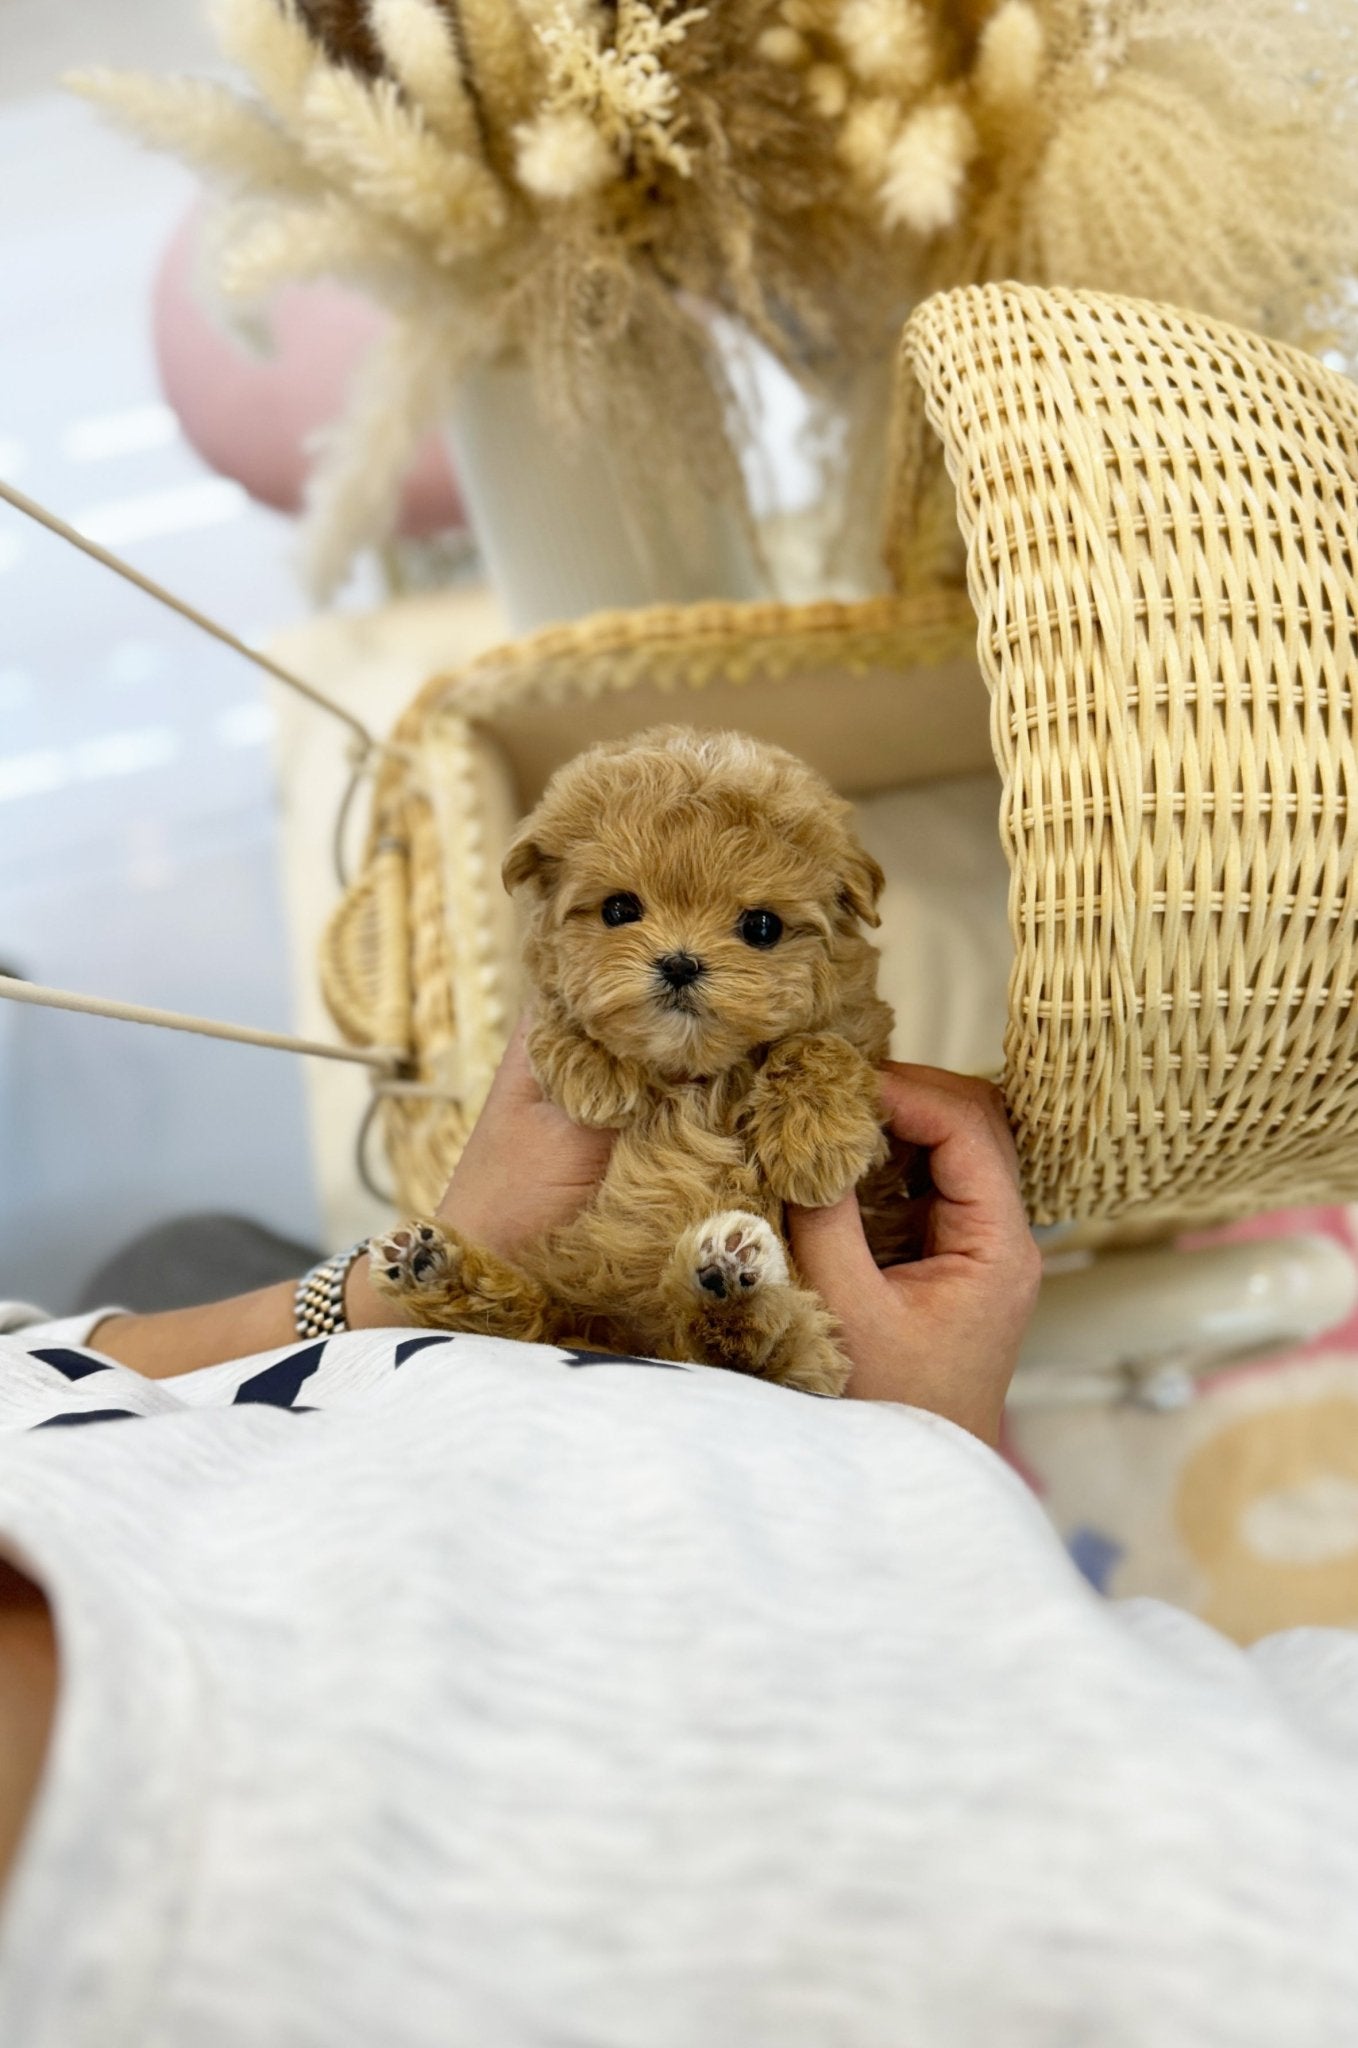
(701, 984)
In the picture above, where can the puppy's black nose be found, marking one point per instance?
(679, 969)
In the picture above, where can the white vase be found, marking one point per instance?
(555, 527)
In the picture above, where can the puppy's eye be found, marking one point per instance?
(761, 928)
(624, 908)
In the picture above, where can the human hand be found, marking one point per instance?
(944, 1332)
(526, 1167)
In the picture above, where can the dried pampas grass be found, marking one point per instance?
(1203, 152)
(581, 184)
(1199, 152)
(576, 185)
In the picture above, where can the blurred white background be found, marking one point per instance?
(138, 849)
(139, 852)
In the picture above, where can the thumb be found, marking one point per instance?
(830, 1249)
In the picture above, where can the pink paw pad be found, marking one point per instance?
(736, 1254)
(412, 1256)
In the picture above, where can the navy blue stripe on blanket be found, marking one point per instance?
(279, 1384)
(408, 1346)
(72, 1365)
(80, 1416)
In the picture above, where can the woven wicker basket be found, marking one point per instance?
(1159, 517)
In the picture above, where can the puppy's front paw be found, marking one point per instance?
(583, 1079)
(414, 1259)
(734, 1256)
(813, 1120)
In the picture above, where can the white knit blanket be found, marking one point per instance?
(506, 1698)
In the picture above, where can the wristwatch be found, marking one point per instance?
(318, 1304)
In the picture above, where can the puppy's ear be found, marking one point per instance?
(861, 885)
(528, 861)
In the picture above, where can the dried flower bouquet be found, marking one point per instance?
(579, 184)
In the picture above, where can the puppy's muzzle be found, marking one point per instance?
(679, 970)
(677, 973)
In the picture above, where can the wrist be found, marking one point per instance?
(111, 1334)
(488, 1223)
(982, 1418)
(364, 1309)
(965, 1386)
(178, 1340)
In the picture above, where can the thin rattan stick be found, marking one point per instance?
(415, 1091)
(32, 510)
(389, 1196)
(338, 857)
(387, 1059)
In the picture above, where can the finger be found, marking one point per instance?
(515, 1080)
(831, 1251)
(574, 1154)
(972, 1160)
(902, 1085)
(965, 1087)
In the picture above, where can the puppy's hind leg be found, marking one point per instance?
(806, 1355)
(435, 1279)
(732, 1302)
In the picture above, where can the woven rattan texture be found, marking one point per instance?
(1161, 516)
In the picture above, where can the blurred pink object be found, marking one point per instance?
(251, 418)
(1336, 1222)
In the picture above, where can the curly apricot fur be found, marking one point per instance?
(743, 1086)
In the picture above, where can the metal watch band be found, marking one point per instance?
(318, 1304)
